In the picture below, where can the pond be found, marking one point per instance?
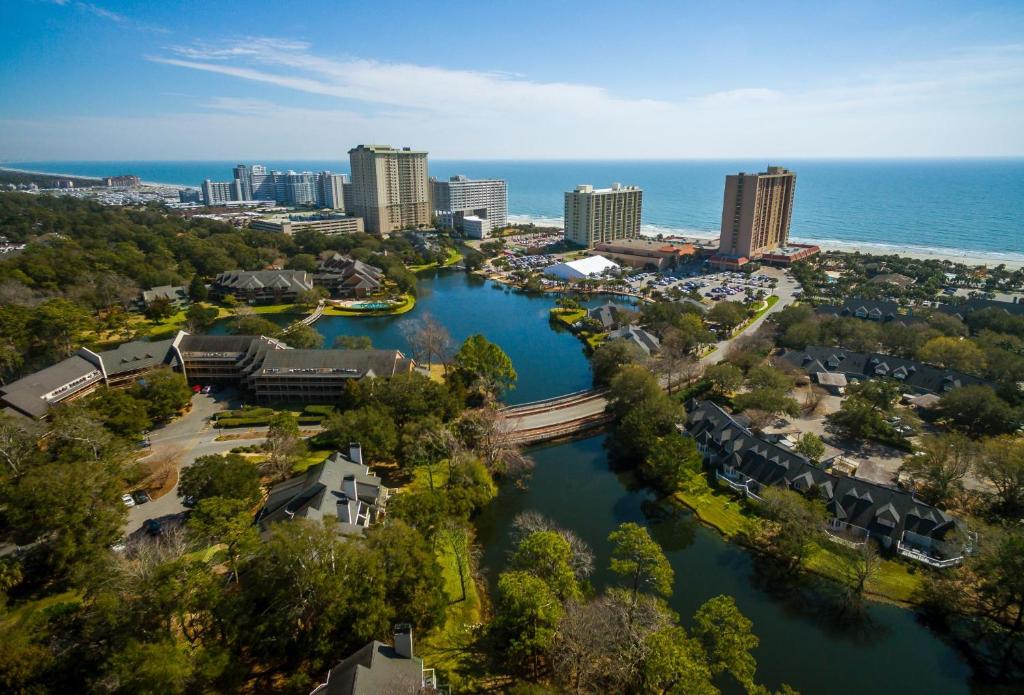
(800, 645)
(549, 362)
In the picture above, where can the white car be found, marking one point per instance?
(127, 499)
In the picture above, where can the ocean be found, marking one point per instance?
(952, 207)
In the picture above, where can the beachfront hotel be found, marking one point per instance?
(595, 215)
(473, 206)
(756, 213)
(390, 190)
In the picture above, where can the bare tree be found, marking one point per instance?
(17, 443)
(491, 437)
(863, 566)
(428, 340)
(456, 538)
(284, 444)
(584, 644)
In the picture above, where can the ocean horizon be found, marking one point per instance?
(950, 206)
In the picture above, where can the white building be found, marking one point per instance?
(594, 215)
(330, 189)
(476, 227)
(583, 268)
(459, 197)
(220, 192)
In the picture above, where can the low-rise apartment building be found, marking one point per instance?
(343, 276)
(262, 286)
(328, 225)
(642, 253)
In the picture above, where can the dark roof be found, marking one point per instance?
(871, 309)
(639, 337)
(136, 355)
(374, 670)
(172, 292)
(971, 305)
(28, 394)
(882, 510)
(606, 314)
(285, 280)
(359, 362)
(339, 486)
(918, 376)
(216, 343)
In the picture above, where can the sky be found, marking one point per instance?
(558, 79)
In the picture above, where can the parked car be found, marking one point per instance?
(197, 388)
(207, 389)
(127, 499)
(140, 497)
(188, 502)
(152, 527)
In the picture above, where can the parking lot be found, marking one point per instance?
(713, 286)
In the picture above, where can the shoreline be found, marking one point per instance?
(970, 257)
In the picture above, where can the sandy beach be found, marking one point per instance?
(966, 256)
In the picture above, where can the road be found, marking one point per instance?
(188, 437)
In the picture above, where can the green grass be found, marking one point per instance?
(408, 303)
(278, 309)
(312, 457)
(446, 647)
(25, 616)
(452, 258)
(894, 580)
(568, 316)
(719, 509)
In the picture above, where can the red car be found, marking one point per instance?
(197, 388)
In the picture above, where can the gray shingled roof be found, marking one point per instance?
(287, 280)
(26, 394)
(136, 355)
(374, 670)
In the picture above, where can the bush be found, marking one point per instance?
(320, 409)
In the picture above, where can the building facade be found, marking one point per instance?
(756, 213)
(329, 224)
(221, 192)
(459, 197)
(260, 286)
(390, 188)
(595, 215)
(641, 253)
(331, 190)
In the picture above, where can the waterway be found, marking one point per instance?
(574, 485)
(548, 362)
(889, 651)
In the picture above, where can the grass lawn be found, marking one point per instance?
(894, 581)
(278, 309)
(453, 257)
(568, 316)
(446, 647)
(26, 616)
(408, 303)
(716, 508)
(312, 457)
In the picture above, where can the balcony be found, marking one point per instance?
(930, 551)
(846, 534)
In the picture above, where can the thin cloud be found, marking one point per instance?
(109, 15)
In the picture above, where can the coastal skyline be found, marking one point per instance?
(134, 80)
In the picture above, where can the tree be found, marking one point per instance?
(977, 411)
(610, 357)
(482, 363)
(1000, 587)
(676, 663)
(284, 445)
(1000, 463)
(414, 579)
(197, 290)
(311, 298)
(18, 445)
(165, 393)
(548, 556)
(953, 353)
(724, 377)
(429, 340)
(939, 466)
(353, 342)
(861, 566)
(527, 615)
(797, 525)
(56, 324)
(371, 426)
(727, 638)
(858, 419)
(652, 418)
(302, 261)
(255, 325)
(199, 318)
(228, 522)
(770, 401)
(769, 379)
(810, 445)
(303, 337)
(672, 460)
(120, 412)
(727, 314)
(631, 386)
(151, 668)
(639, 561)
(230, 477)
(880, 394)
(161, 308)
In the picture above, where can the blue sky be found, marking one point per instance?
(221, 79)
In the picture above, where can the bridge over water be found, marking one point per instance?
(561, 416)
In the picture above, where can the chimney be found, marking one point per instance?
(355, 453)
(403, 640)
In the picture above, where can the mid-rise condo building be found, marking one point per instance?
(390, 189)
(595, 215)
(460, 198)
(756, 214)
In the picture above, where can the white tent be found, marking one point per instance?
(583, 268)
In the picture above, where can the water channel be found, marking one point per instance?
(574, 485)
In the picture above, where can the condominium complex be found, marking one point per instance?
(483, 202)
(390, 190)
(323, 189)
(329, 224)
(595, 215)
(756, 214)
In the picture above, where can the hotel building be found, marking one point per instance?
(595, 215)
(484, 202)
(756, 214)
(390, 190)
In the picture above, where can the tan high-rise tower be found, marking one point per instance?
(756, 213)
(594, 215)
(390, 190)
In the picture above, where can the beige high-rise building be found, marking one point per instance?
(594, 215)
(756, 213)
(389, 188)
